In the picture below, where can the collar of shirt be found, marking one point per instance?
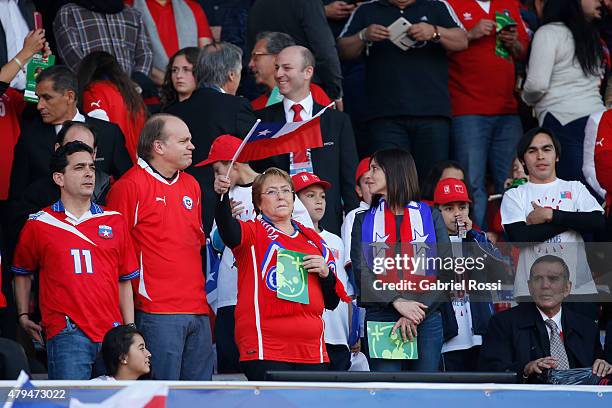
(77, 118)
(152, 171)
(94, 209)
(556, 318)
(307, 107)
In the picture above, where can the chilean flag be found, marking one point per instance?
(271, 139)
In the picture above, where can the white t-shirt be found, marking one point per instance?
(227, 281)
(571, 196)
(337, 321)
(465, 338)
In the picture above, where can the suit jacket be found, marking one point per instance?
(305, 21)
(27, 11)
(335, 162)
(208, 114)
(35, 147)
(517, 336)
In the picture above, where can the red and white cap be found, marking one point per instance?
(362, 168)
(451, 190)
(306, 179)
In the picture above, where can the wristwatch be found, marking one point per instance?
(436, 35)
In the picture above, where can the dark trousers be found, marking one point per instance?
(461, 360)
(255, 370)
(426, 137)
(339, 357)
(228, 357)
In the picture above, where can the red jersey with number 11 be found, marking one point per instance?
(80, 263)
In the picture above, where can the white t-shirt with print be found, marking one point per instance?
(571, 196)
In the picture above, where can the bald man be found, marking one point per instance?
(336, 161)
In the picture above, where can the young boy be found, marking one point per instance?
(310, 190)
(465, 321)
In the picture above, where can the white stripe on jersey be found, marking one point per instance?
(452, 13)
(142, 290)
(136, 213)
(348, 23)
(48, 219)
(256, 305)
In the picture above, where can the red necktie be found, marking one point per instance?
(298, 157)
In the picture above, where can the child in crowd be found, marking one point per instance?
(310, 190)
(125, 354)
(465, 319)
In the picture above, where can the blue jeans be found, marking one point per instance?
(426, 137)
(180, 345)
(71, 355)
(478, 140)
(429, 344)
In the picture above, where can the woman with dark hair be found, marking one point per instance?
(181, 77)
(395, 222)
(108, 93)
(125, 354)
(440, 171)
(566, 67)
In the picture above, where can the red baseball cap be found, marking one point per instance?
(222, 149)
(306, 179)
(362, 168)
(451, 190)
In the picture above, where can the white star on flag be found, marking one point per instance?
(264, 132)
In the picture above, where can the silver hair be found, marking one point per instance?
(217, 61)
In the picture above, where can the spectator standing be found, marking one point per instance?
(408, 99)
(337, 159)
(172, 25)
(81, 253)
(304, 21)
(263, 67)
(83, 26)
(228, 20)
(107, 93)
(485, 125)
(548, 214)
(162, 205)
(57, 92)
(180, 80)
(566, 67)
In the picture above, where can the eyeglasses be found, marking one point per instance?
(259, 54)
(271, 193)
(184, 70)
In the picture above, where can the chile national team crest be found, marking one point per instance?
(187, 202)
(105, 231)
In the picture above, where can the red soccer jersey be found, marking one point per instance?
(165, 220)
(80, 263)
(268, 328)
(163, 16)
(481, 82)
(11, 106)
(105, 96)
(318, 95)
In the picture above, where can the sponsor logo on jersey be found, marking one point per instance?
(105, 231)
(36, 215)
(188, 202)
(467, 16)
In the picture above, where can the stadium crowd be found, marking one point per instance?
(137, 242)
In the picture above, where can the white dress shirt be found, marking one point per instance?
(15, 29)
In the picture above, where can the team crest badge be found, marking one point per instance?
(105, 231)
(188, 202)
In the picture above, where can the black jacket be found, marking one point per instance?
(517, 336)
(208, 114)
(335, 162)
(305, 21)
(35, 147)
(27, 9)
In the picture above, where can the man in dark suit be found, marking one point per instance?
(56, 88)
(336, 161)
(305, 21)
(214, 110)
(533, 337)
